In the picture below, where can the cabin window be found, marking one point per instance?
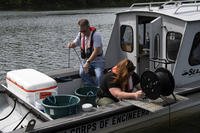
(173, 44)
(157, 46)
(126, 38)
(194, 58)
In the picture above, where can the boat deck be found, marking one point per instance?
(158, 104)
(14, 110)
(16, 116)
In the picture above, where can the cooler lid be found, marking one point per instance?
(31, 80)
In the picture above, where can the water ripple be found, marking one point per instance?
(34, 40)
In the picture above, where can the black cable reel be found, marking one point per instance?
(158, 83)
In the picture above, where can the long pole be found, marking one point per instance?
(68, 58)
(78, 58)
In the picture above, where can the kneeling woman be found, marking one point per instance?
(118, 84)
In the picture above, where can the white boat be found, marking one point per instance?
(162, 40)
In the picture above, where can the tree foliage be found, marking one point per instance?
(62, 4)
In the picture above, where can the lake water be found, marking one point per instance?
(37, 39)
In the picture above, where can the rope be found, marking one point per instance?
(21, 121)
(169, 118)
(90, 93)
(10, 112)
(68, 58)
(78, 57)
(53, 101)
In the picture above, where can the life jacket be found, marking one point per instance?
(129, 85)
(87, 53)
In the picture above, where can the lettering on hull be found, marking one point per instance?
(112, 121)
(191, 72)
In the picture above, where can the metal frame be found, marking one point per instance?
(191, 5)
(162, 4)
(150, 4)
(161, 61)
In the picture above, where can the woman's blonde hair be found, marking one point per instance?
(122, 71)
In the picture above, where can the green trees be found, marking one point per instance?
(15, 4)
(63, 4)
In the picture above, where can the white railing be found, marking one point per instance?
(184, 6)
(150, 4)
(163, 4)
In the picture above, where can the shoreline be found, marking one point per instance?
(56, 8)
(57, 5)
(106, 10)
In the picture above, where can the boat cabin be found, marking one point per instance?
(157, 35)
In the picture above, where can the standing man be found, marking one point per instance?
(90, 43)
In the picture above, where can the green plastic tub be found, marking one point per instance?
(61, 105)
(87, 95)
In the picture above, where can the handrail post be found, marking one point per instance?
(192, 5)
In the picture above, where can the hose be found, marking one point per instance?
(21, 121)
(10, 112)
(68, 54)
(78, 57)
(68, 58)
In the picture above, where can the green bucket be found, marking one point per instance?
(61, 105)
(87, 95)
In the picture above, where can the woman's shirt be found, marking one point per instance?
(107, 83)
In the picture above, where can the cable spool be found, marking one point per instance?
(155, 84)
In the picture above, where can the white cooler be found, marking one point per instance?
(30, 85)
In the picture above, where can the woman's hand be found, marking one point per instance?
(139, 94)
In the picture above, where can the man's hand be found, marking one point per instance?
(86, 67)
(71, 45)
